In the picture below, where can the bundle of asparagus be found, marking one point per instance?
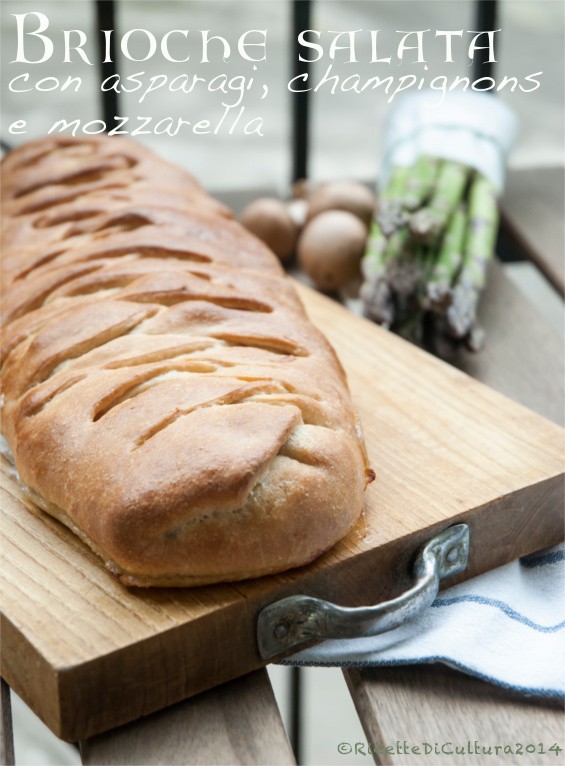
(427, 253)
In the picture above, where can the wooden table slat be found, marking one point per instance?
(431, 704)
(532, 209)
(523, 356)
(236, 723)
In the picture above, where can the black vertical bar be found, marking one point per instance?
(485, 20)
(106, 19)
(295, 733)
(6, 730)
(300, 22)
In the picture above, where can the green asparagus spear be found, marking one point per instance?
(479, 249)
(373, 263)
(437, 295)
(396, 183)
(420, 182)
(405, 263)
(390, 216)
(375, 291)
(378, 302)
(483, 226)
(428, 223)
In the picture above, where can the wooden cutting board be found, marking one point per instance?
(88, 655)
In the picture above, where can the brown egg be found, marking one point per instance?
(270, 220)
(343, 195)
(330, 248)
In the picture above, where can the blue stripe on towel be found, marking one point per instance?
(541, 561)
(503, 607)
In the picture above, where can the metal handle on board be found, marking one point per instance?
(287, 623)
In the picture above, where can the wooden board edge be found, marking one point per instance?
(510, 524)
(103, 693)
(29, 674)
(525, 507)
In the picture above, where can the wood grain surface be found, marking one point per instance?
(236, 723)
(412, 706)
(88, 655)
(532, 209)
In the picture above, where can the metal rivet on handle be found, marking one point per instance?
(281, 631)
(452, 555)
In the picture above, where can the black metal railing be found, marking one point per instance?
(106, 22)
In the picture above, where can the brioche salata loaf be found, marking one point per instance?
(164, 394)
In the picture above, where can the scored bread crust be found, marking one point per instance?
(164, 393)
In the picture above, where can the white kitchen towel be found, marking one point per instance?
(506, 626)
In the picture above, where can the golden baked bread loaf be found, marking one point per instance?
(164, 394)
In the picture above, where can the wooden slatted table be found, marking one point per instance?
(239, 722)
